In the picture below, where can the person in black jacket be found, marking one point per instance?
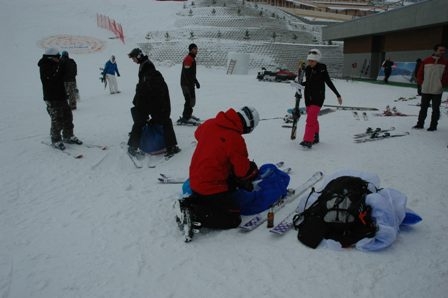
(55, 97)
(188, 82)
(387, 65)
(418, 62)
(151, 98)
(316, 76)
(69, 70)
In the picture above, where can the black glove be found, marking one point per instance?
(197, 84)
(251, 175)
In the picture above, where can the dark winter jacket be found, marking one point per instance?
(433, 75)
(388, 66)
(221, 156)
(69, 69)
(316, 78)
(188, 74)
(52, 80)
(151, 94)
(111, 68)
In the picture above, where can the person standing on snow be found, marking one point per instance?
(110, 69)
(418, 62)
(432, 76)
(188, 82)
(151, 98)
(69, 69)
(387, 65)
(316, 76)
(219, 166)
(55, 97)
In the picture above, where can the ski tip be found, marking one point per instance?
(78, 156)
(319, 173)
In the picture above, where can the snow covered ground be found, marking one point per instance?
(99, 227)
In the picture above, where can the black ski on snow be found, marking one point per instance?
(166, 179)
(380, 136)
(371, 131)
(160, 161)
(405, 98)
(138, 163)
(296, 110)
(350, 108)
(66, 151)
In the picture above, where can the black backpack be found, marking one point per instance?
(339, 213)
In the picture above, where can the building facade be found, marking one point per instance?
(403, 34)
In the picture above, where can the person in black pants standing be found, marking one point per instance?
(188, 82)
(151, 98)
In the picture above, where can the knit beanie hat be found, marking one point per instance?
(314, 54)
(52, 52)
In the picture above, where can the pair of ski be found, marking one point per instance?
(370, 131)
(405, 98)
(73, 153)
(377, 134)
(287, 222)
(153, 160)
(381, 136)
(364, 116)
(351, 108)
(296, 110)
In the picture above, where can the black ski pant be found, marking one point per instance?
(217, 211)
(139, 117)
(190, 101)
(387, 73)
(424, 105)
(61, 120)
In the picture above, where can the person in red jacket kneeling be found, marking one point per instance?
(219, 166)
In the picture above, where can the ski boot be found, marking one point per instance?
(136, 153)
(306, 144)
(185, 220)
(170, 151)
(195, 118)
(72, 140)
(58, 145)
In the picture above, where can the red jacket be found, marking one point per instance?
(221, 153)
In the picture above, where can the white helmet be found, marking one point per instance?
(250, 118)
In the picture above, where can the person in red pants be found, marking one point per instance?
(316, 76)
